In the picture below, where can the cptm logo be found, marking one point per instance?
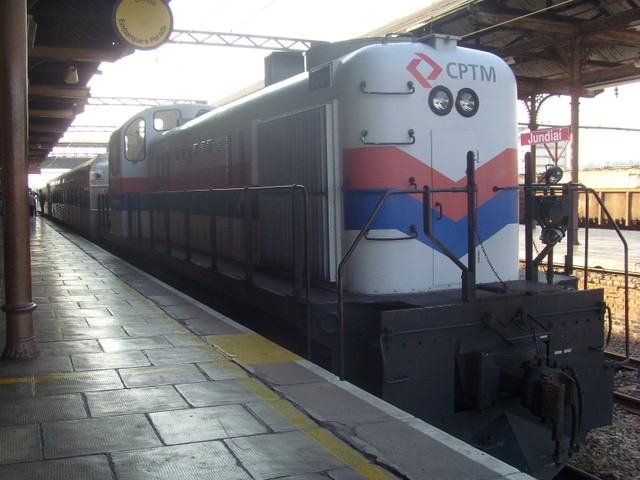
(424, 69)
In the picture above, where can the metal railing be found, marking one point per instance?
(140, 208)
(625, 247)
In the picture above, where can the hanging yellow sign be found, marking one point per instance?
(145, 24)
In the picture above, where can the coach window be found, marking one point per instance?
(134, 140)
(166, 119)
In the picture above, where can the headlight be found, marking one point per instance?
(440, 100)
(467, 102)
(552, 175)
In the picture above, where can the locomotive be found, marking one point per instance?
(371, 202)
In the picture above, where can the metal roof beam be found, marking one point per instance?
(591, 81)
(525, 47)
(144, 102)
(82, 145)
(48, 128)
(619, 20)
(91, 128)
(39, 52)
(533, 24)
(218, 39)
(60, 92)
(62, 113)
(600, 30)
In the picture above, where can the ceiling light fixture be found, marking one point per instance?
(71, 75)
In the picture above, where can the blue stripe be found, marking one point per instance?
(401, 211)
(229, 204)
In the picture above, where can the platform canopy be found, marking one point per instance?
(70, 39)
(552, 46)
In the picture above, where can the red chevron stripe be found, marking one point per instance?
(390, 167)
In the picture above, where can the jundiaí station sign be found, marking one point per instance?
(144, 24)
(550, 135)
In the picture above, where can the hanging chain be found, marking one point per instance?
(484, 251)
(535, 245)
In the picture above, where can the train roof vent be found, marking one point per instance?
(441, 41)
(279, 66)
(324, 53)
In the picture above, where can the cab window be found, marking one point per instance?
(166, 120)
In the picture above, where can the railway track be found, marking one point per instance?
(633, 363)
(630, 403)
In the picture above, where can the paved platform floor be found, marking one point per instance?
(137, 381)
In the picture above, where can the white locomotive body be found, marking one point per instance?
(349, 130)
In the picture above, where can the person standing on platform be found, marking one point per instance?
(32, 203)
(42, 198)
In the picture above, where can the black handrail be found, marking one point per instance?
(410, 90)
(167, 221)
(625, 246)
(187, 226)
(363, 231)
(139, 216)
(152, 227)
(129, 213)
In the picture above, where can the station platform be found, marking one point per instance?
(138, 381)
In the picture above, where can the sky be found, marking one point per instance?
(212, 73)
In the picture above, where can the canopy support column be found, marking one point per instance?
(576, 91)
(16, 237)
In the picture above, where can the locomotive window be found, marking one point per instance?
(440, 100)
(134, 140)
(467, 102)
(166, 120)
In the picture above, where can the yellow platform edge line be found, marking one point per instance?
(338, 448)
(13, 381)
(251, 349)
(42, 378)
